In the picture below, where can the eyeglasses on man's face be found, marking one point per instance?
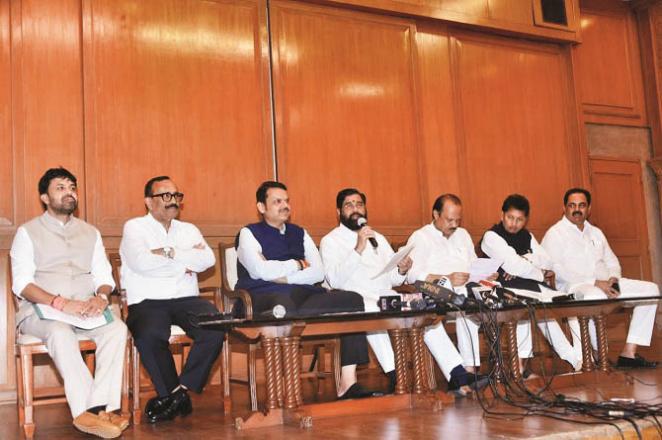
(168, 196)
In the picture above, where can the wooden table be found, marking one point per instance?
(280, 340)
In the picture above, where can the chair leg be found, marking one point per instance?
(252, 375)
(19, 391)
(126, 375)
(225, 376)
(337, 368)
(28, 388)
(135, 366)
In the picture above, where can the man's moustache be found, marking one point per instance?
(577, 213)
(173, 205)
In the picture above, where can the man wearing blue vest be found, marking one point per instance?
(279, 264)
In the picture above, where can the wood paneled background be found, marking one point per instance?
(222, 94)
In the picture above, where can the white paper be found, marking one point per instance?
(483, 268)
(48, 312)
(395, 259)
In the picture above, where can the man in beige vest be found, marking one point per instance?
(59, 260)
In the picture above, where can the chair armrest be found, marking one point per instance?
(124, 305)
(214, 295)
(231, 296)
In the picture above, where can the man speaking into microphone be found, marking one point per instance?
(354, 256)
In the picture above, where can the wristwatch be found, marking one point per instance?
(168, 252)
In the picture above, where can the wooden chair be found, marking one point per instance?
(26, 348)
(228, 262)
(178, 338)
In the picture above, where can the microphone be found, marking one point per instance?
(395, 303)
(277, 312)
(441, 294)
(579, 296)
(362, 221)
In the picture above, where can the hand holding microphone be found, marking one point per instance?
(365, 233)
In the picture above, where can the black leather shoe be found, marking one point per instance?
(475, 382)
(356, 391)
(155, 408)
(177, 403)
(185, 407)
(636, 362)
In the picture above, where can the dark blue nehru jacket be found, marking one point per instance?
(275, 246)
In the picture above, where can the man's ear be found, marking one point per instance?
(338, 213)
(435, 214)
(44, 198)
(148, 203)
(261, 207)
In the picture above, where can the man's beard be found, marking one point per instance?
(65, 208)
(352, 221)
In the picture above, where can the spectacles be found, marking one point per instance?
(166, 197)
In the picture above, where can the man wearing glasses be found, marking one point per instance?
(161, 257)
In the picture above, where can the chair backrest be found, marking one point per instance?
(116, 265)
(227, 255)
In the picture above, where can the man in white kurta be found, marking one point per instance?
(444, 249)
(525, 265)
(585, 265)
(351, 262)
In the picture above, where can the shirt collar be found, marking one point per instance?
(439, 233)
(346, 233)
(55, 222)
(574, 227)
(155, 222)
(280, 230)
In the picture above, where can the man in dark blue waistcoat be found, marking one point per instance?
(279, 264)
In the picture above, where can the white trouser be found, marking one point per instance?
(466, 330)
(552, 331)
(81, 389)
(467, 341)
(643, 316)
(435, 337)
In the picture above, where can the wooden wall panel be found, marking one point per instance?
(178, 88)
(513, 124)
(6, 171)
(439, 152)
(518, 11)
(346, 114)
(617, 188)
(47, 107)
(608, 68)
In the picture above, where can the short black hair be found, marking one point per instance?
(442, 199)
(344, 193)
(54, 173)
(516, 201)
(149, 186)
(261, 193)
(572, 191)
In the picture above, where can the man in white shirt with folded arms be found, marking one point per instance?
(161, 259)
